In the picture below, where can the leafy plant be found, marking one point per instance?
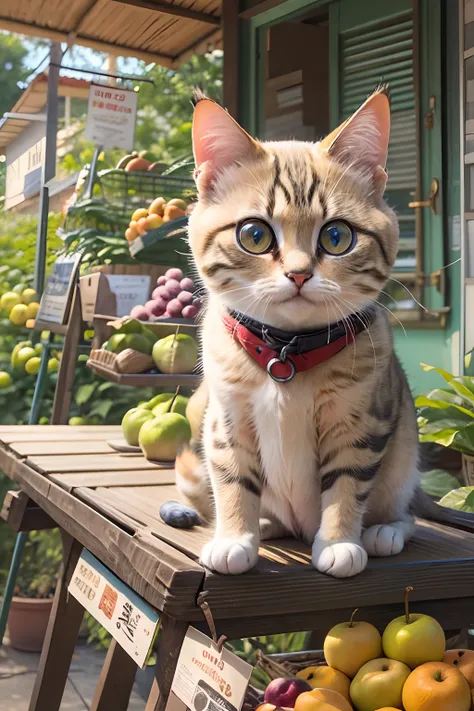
(270, 644)
(40, 563)
(461, 499)
(446, 415)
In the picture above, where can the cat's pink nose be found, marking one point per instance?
(299, 277)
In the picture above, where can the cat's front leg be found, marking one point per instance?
(231, 457)
(337, 548)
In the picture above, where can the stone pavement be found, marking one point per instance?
(17, 675)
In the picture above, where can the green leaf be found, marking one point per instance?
(463, 387)
(102, 408)
(84, 393)
(448, 423)
(444, 373)
(438, 483)
(444, 437)
(426, 402)
(457, 499)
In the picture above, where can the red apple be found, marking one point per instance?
(284, 692)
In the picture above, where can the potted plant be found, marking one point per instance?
(446, 416)
(34, 591)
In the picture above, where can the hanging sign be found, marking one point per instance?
(56, 298)
(111, 116)
(128, 618)
(207, 679)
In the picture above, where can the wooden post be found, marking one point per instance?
(168, 646)
(67, 367)
(116, 681)
(61, 635)
(230, 34)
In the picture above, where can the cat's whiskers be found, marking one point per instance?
(378, 303)
(366, 328)
(344, 172)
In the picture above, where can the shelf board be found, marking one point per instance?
(142, 380)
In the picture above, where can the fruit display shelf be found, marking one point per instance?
(142, 380)
(164, 245)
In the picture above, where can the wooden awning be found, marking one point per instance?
(165, 32)
(33, 101)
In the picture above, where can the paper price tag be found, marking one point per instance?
(206, 679)
(128, 618)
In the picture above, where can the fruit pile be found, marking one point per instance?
(173, 297)
(175, 354)
(405, 668)
(26, 358)
(159, 213)
(20, 304)
(143, 161)
(159, 427)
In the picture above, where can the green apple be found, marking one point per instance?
(15, 351)
(132, 423)
(161, 437)
(23, 356)
(378, 684)
(5, 379)
(162, 397)
(176, 353)
(416, 642)
(76, 421)
(349, 645)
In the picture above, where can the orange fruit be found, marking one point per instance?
(463, 659)
(322, 700)
(324, 677)
(138, 214)
(157, 207)
(178, 203)
(131, 234)
(173, 212)
(142, 225)
(153, 221)
(436, 686)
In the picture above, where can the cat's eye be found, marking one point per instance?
(255, 236)
(337, 238)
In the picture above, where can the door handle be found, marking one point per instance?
(431, 200)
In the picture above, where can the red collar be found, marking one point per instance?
(281, 366)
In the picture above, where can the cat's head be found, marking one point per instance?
(293, 234)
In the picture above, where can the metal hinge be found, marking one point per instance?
(436, 279)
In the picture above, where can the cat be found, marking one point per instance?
(304, 424)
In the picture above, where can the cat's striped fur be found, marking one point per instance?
(331, 456)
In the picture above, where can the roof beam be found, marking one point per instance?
(169, 9)
(25, 28)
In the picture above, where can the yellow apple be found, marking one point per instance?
(379, 683)
(414, 639)
(351, 644)
(324, 677)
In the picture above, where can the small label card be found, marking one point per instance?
(206, 679)
(128, 618)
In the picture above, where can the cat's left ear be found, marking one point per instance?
(362, 140)
(218, 142)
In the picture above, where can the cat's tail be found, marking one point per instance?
(425, 507)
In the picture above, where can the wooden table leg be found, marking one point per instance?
(168, 646)
(116, 681)
(61, 635)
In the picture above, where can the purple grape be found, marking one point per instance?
(140, 313)
(174, 308)
(197, 303)
(155, 307)
(173, 287)
(174, 273)
(190, 311)
(156, 294)
(163, 292)
(187, 284)
(186, 298)
(161, 281)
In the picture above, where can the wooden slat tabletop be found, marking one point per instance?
(104, 497)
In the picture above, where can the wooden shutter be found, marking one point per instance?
(382, 52)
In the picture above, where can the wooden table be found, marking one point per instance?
(109, 503)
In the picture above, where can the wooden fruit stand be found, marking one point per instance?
(109, 503)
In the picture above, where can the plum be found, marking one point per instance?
(190, 311)
(155, 307)
(174, 308)
(174, 273)
(284, 692)
(163, 292)
(156, 294)
(161, 281)
(140, 313)
(187, 284)
(173, 287)
(186, 298)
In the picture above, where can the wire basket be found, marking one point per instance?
(94, 214)
(128, 190)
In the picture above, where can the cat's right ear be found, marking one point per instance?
(218, 142)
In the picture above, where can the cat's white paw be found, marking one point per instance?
(341, 560)
(384, 539)
(231, 556)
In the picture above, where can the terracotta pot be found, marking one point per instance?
(468, 469)
(27, 623)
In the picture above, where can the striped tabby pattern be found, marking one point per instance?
(330, 456)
